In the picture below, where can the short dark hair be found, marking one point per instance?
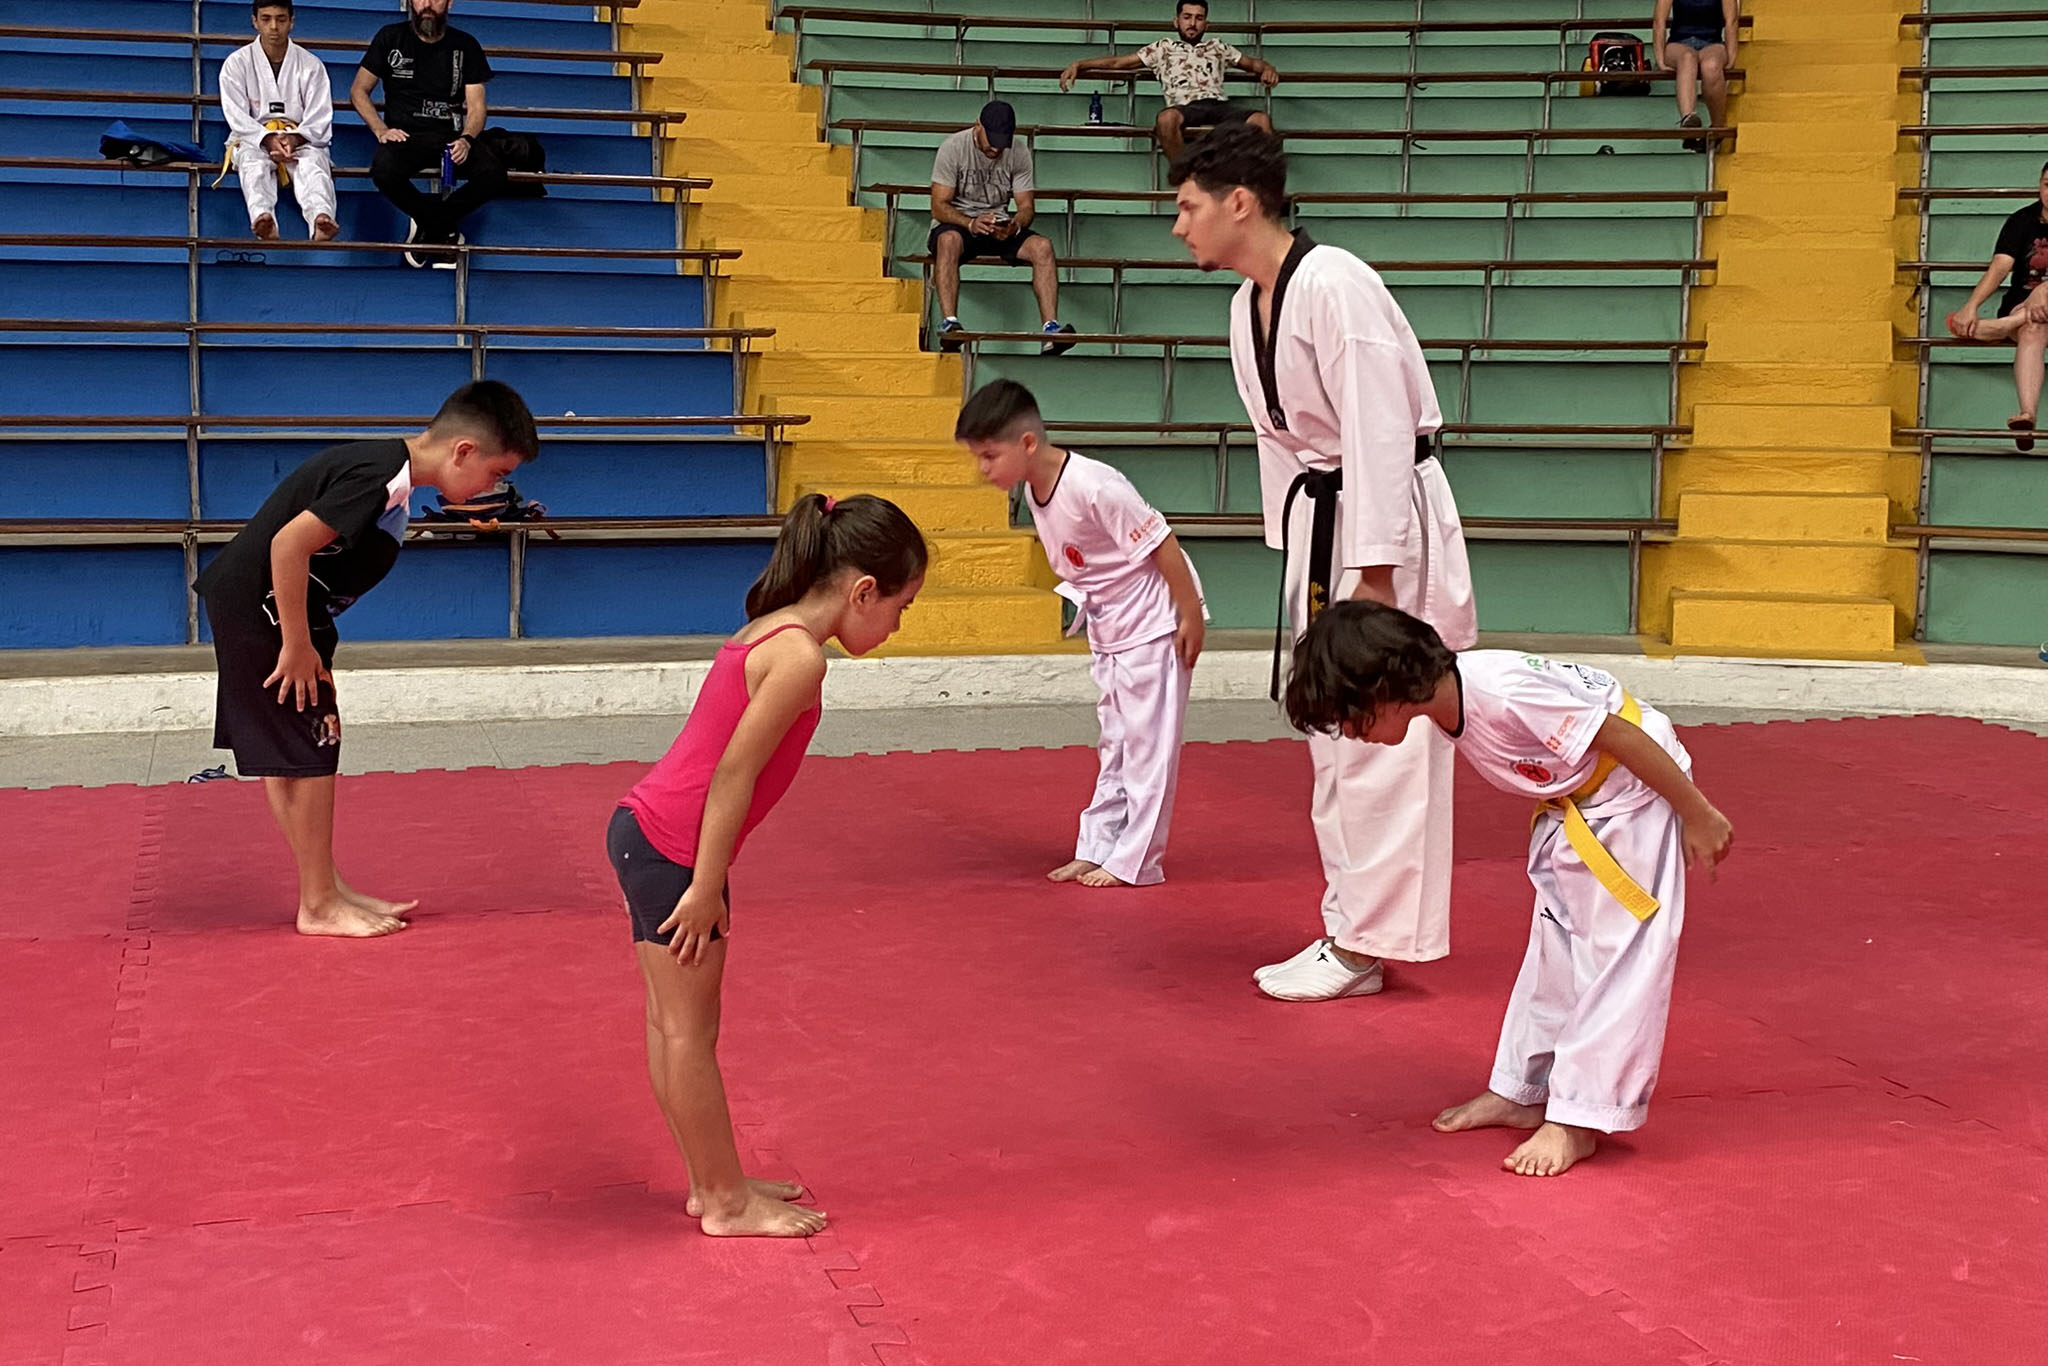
(823, 535)
(1357, 657)
(1233, 155)
(1202, 5)
(493, 411)
(998, 410)
(257, 7)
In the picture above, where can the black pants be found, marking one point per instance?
(396, 163)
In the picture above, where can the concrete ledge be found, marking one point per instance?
(91, 704)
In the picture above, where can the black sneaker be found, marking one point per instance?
(1056, 348)
(453, 239)
(1693, 120)
(413, 258)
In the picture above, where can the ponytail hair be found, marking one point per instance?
(822, 536)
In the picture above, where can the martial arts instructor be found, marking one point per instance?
(1342, 404)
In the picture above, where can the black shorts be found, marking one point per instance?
(652, 883)
(271, 739)
(979, 246)
(1212, 113)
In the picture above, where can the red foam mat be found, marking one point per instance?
(1051, 1125)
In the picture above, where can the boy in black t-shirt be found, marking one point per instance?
(2022, 255)
(433, 78)
(328, 534)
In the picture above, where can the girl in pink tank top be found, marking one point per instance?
(842, 571)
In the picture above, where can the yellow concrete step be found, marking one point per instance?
(1859, 272)
(1753, 340)
(834, 332)
(1838, 517)
(1794, 426)
(1826, 30)
(981, 621)
(1833, 106)
(742, 125)
(859, 261)
(720, 221)
(841, 417)
(743, 18)
(1793, 625)
(1820, 568)
(1817, 141)
(936, 508)
(819, 372)
(1769, 200)
(674, 33)
(1819, 81)
(877, 462)
(1005, 560)
(767, 192)
(731, 92)
(1895, 474)
(1820, 382)
(798, 294)
(692, 155)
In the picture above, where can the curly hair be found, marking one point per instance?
(1357, 657)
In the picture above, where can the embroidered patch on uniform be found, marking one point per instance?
(1535, 773)
(1074, 558)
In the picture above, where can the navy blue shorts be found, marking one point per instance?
(1698, 42)
(652, 883)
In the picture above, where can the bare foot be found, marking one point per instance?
(774, 1190)
(346, 920)
(1551, 1150)
(325, 229)
(265, 227)
(376, 905)
(1488, 1110)
(1069, 872)
(763, 1216)
(1101, 878)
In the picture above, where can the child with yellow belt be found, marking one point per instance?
(1618, 821)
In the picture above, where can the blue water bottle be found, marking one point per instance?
(1095, 108)
(447, 170)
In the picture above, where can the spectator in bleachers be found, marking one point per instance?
(434, 78)
(1695, 41)
(1190, 67)
(280, 112)
(977, 173)
(2023, 312)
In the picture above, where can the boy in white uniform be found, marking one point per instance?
(279, 106)
(1138, 597)
(1342, 404)
(1618, 822)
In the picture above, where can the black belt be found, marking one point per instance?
(1322, 488)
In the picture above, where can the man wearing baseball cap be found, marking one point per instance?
(976, 175)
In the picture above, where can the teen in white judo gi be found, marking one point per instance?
(1355, 499)
(1618, 821)
(1138, 597)
(280, 111)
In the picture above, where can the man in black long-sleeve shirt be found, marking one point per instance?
(433, 77)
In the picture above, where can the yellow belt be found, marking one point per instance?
(1598, 861)
(227, 162)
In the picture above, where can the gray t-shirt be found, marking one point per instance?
(979, 184)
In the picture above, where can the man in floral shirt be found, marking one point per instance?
(1190, 67)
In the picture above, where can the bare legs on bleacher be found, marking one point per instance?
(1036, 252)
(1171, 129)
(1045, 280)
(1698, 72)
(2025, 325)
